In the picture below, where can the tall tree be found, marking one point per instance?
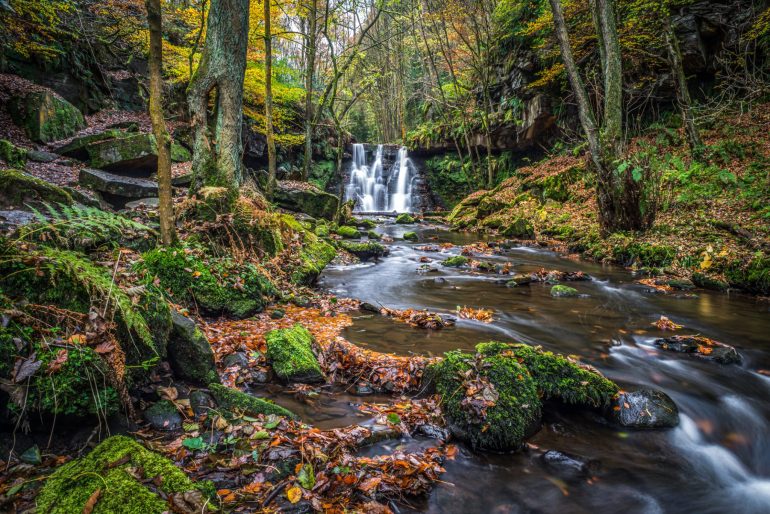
(682, 89)
(218, 149)
(162, 138)
(619, 189)
(310, 45)
(271, 171)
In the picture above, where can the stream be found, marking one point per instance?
(717, 460)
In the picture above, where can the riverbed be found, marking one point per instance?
(717, 460)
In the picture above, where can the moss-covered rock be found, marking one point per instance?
(45, 117)
(235, 400)
(13, 156)
(314, 253)
(559, 291)
(163, 415)
(118, 468)
(190, 353)
(348, 232)
(455, 261)
(521, 228)
(18, 189)
(363, 223)
(643, 254)
(709, 282)
(410, 236)
(404, 218)
(216, 286)
(322, 231)
(304, 197)
(753, 276)
(365, 250)
(371, 234)
(179, 153)
(290, 351)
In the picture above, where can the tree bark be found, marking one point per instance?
(309, 76)
(217, 145)
(271, 166)
(162, 138)
(683, 92)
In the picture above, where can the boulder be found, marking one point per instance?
(519, 229)
(13, 156)
(45, 117)
(306, 198)
(404, 218)
(116, 185)
(189, 352)
(365, 250)
(18, 189)
(235, 400)
(130, 478)
(290, 351)
(410, 236)
(701, 347)
(559, 291)
(646, 408)
(455, 261)
(163, 415)
(348, 232)
(39, 156)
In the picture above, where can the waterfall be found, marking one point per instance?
(372, 191)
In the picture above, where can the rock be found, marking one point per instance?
(702, 347)
(371, 234)
(189, 352)
(182, 180)
(277, 314)
(365, 250)
(13, 156)
(31, 456)
(18, 189)
(559, 291)
(304, 197)
(519, 279)
(78, 147)
(237, 360)
(646, 408)
(570, 467)
(261, 376)
(11, 220)
(179, 153)
(290, 351)
(116, 185)
(348, 232)
(708, 282)
(455, 261)
(363, 389)
(112, 468)
(410, 236)
(519, 229)
(201, 402)
(235, 400)
(368, 307)
(404, 218)
(143, 202)
(82, 198)
(163, 415)
(45, 117)
(38, 156)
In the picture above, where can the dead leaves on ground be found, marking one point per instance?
(418, 318)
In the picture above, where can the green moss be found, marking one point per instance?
(235, 400)
(18, 189)
(109, 467)
(290, 351)
(371, 234)
(516, 407)
(455, 261)
(560, 290)
(364, 250)
(520, 228)
(410, 236)
(321, 172)
(45, 117)
(322, 231)
(216, 286)
(364, 223)
(179, 153)
(708, 282)
(753, 277)
(404, 218)
(348, 232)
(314, 254)
(644, 254)
(13, 156)
(556, 376)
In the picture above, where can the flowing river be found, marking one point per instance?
(717, 460)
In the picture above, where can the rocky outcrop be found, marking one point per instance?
(19, 190)
(189, 352)
(45, 117)
(115, 187)
(306, 198)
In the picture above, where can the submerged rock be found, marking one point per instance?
(130, 479)
(189, 352)
(646, 408)
(45, 117)
(568, 466)
(702, 347)
(290, 351)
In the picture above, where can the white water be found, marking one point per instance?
(371, 191)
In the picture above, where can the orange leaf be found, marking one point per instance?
(294, 494)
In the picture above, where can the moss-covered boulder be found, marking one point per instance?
(314, 253)
(559, 291)
(404, 218)
(190, 353)
(12, 155)
(17, 189)
(124, 477)
(455, 261)
(306, 198)
(520, 228)
(371, 234)
(237, 401)
(410, 236)
(365, 250)
(290, 351)
(215, 285)
(348, 232)
(45, 117)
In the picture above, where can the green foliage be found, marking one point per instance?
(753, 276)
(13, 156)
(314, 253)
(321, 173)
(290, 351)
(34, 27)
(643, 254)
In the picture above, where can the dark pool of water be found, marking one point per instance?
(717, 460)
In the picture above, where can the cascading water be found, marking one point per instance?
(372, 191)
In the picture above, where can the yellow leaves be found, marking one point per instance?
(77, 339)
(666, 324)
(294, 494)
(483, 315)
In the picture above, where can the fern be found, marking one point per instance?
(80, 227)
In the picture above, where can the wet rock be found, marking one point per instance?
(410, 236)
(163, 415)
(433, 432)
(261, 376)
(201, 402)
(189, 352)
(568, 466)
(559, 291)
(368, 307)
(38, 156)
(45, 117)
(277, 314)
(701, 347)
(363, 389)
(440, 280)
(646, 408)
(303, 197)
(365, 250)
(237, 359)
(111, 184)
(519, 279)
(404, 218)
(143, 202)
(31, 456)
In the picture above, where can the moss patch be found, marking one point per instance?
(562, 291)
(455, 261)
(13, 156)
(106, 468)
(348, 232)
(18, 189)
(404, 218)
(235, 400)
(290, 351)
(314, 254)
(365, 250)
(45, 117)
(410, 236)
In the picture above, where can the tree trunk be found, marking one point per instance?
(217, 145)
(683, 92)
(309, 75)
(271, 171)
(162, 138)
